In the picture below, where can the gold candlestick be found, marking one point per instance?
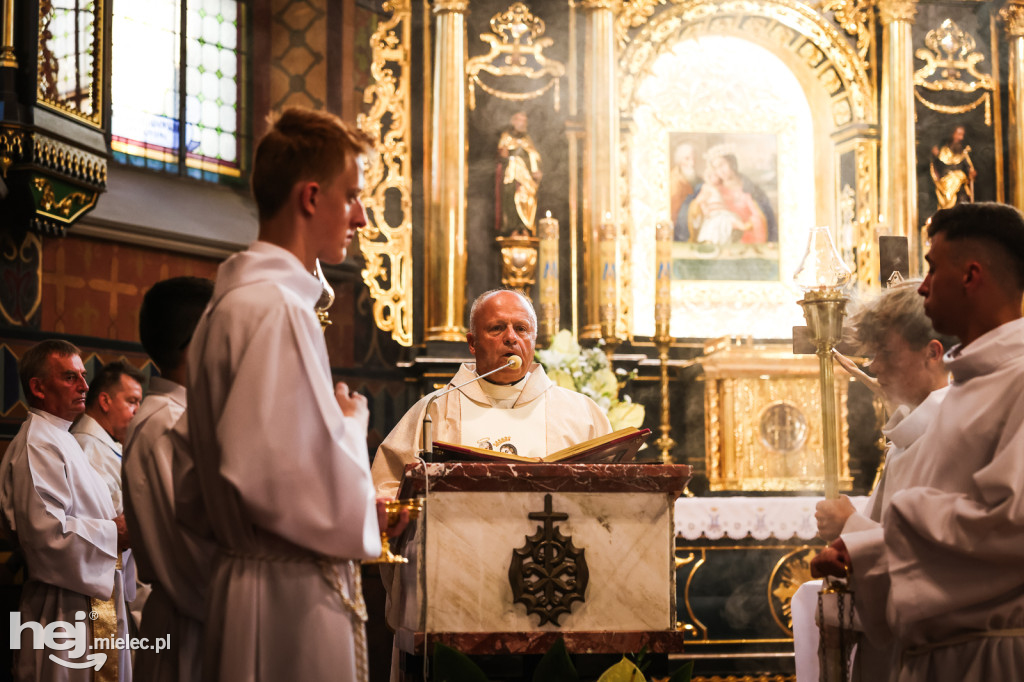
(822, 275)
(547, 230)
(662, 335)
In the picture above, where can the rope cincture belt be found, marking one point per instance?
(961, 639)
(355, 605)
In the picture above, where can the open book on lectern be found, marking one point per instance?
(618, 446)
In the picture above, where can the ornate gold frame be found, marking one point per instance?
(830, 58)
(386, 241)
(515, 32)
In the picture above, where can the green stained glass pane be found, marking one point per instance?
(209, 86)
(228, 92)
(209, 57)
(227, 35)
(228, 146)
(228, 64)
(211, 29)
(192, 79)
(208, 141)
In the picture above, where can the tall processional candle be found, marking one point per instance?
(663, 279)
(547, 230)
(608, 262)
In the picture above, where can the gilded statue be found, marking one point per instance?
(952, 170)
(518, 176)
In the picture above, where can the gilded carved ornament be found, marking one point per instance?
(387, 246)
(856, 18)
(64, 158)
(11, 148)
(951, 65)
(1012, 16)
(68, 208)
(785, 20)
(890, 11)
(612, 5)
(515, 38)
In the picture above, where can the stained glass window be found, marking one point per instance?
(154, 61)
(68, 40)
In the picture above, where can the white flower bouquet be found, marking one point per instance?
(588, 371)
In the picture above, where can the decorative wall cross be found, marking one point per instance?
(548, 573)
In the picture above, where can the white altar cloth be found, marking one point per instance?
(760, 518)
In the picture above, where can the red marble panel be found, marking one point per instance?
(489, 643)
(564, 478)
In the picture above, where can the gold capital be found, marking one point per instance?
(443, 6)
(598, 4)
(890, 11)
(1012, 16)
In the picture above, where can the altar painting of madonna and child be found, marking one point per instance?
(724, 205)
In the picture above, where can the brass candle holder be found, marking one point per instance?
(394, 509)
(662, 334)
(823, 275)
(326, 299)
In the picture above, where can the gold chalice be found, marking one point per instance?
(394, 509)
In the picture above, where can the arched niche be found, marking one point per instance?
(729, 72)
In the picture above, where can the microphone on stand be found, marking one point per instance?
(427, 450)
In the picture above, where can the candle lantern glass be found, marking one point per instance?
(822, 268)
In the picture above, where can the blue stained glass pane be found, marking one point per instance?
(144, 92)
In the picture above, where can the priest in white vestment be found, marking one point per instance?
(954, 532)
(114, 396)
(59, 511)
(172, 559)
(513, 408)
(906, 353)
(516, 407)
(278, 470)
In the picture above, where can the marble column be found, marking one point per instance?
(601, 146)
(444, 290)
(1013, 18)
(899, 164)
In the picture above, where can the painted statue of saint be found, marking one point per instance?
(952, 170)
(518, 175)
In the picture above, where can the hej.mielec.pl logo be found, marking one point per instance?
(61, 635)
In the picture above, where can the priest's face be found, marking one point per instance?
(119, 406)
(906, 375)
(339, 212)
(504, 325)
(62, 388)
(945, 300)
